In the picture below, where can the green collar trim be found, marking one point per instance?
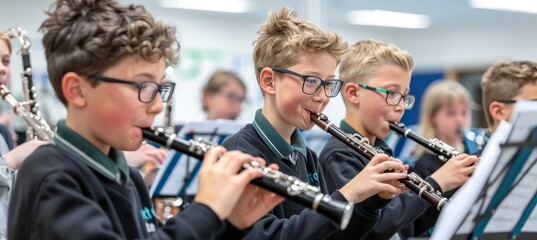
(276, 143)
(110, 166)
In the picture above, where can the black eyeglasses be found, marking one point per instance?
(147, 90)
(312, 84)
(393, 97)
(511, 101)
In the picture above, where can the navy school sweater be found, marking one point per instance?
(290, 220)
(62, 194)
(340, 163)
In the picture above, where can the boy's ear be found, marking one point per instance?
(266, 81)
(496, 111)
(73, 89)
(351, 92)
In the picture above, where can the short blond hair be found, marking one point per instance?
(504, 80)
(437, 95)
(364, 58)
(285, 37)
(6, 39)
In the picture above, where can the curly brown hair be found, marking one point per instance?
(285, 37)
(89, 36)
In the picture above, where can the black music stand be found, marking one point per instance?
(499, 200)
(177, 176)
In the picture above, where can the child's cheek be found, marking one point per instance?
(113, 119)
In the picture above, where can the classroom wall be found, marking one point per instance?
(206, 47)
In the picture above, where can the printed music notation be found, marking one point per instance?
(469, 205)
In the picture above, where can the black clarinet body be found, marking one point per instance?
(282, 184)
(444, 151)
(361, 145)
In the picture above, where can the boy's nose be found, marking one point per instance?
(400, 106)
(156, 106)
(320, 95)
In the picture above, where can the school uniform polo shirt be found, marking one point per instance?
(293, 155)
(114, 166)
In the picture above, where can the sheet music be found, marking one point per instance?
(464, 205)
(171, 183)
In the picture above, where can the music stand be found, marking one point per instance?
(498, 202)
(177, 176)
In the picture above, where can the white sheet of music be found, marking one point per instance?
(458, 216)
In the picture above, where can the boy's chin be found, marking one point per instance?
(383, 134)
(131, 147)
(306, 126)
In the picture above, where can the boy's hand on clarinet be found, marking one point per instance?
(254, 203)
(455, 172)
(220, 184)
(374, 179)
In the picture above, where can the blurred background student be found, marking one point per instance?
(223, 95)
(445, 115)
(11, 157)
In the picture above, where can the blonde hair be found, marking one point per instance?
(504, 80)
(281, 41)
(217, 81)
(364, 58)
(437, 95)
(6, 39)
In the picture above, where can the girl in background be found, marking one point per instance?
(445, 111)
(10, 158)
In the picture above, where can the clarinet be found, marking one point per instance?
(287, 186)
(361, 145)
(36, 124)
(444, 151)
(29, 109)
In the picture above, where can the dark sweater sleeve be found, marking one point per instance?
(306, 225)
(339, 166)
(52, 204)
(407, 214)
(63, 212)
(398, 215)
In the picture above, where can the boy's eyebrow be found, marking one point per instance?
(150, 76)
(316, 74)
(396, 86)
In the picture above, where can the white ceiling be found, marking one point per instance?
(455, 29)
(330, 13)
